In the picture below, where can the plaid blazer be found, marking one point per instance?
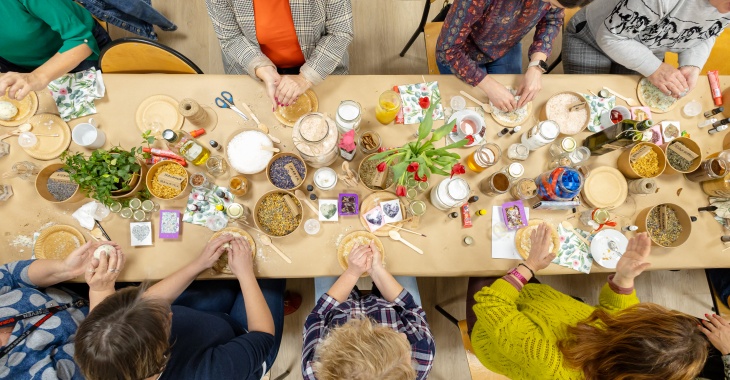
(324, 31)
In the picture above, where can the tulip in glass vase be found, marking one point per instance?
(421, 158)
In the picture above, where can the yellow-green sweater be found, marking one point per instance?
(516, 332)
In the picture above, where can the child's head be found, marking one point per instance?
(363, 350)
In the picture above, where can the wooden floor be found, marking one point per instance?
(381, 29)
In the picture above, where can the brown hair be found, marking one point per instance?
(644, 341)
(574, 3)
(125, 337)
(363, 350)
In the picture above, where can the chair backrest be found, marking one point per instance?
(135, 55)
(718, 59)
(431, 34)
(476, 368)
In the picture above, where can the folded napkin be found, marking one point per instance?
(598, 106)
(573, 252)
(410, 95)
(722, 214)
(75, 93)
(85, 214)
(206, 208)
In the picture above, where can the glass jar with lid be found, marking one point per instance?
(348, 116)
(450, 192)
(483, 157)
(540, 135)
(565, 145)
(518, 152)
(315, 138)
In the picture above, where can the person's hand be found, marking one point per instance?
(540, 254)
(240, 257)
(360, 260)
(271, 79)
(717, 331)
(101, 273)
(669, 81)
(633, 261)
(76, 263)
(19, 85)
(212, 252)
(290, 87)
(377, 263)
(530, 86)
(690, 73)
(498, 94)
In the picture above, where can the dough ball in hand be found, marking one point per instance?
(106, 248)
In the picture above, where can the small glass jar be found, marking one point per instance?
(709, 169)
(348, 156)
(565, 145)
(135, 203)
(515, 170)
(216, 166)
(238, 185)
(417, 208)
(126, 212)
(311, 226)
(560, 184)
(315, 138)
(422, 186)
(450, 192)
(518, 152)
(411, 183)
(149, 206)
(238, 211)
(201, 181)
(370, 142)
(115, 207)
(485, 156)
(141, 216)
(496, 184)
(411, 193)
(541, 134)
(23, 170)
(524, 188)
(595, 217)
(325, 178)
(348, 116)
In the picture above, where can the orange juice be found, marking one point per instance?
(388, 107)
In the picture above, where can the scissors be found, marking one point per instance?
(227, 102)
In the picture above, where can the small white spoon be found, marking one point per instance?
(265, 240)
(396, 236)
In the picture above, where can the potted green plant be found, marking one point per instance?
(421, 158)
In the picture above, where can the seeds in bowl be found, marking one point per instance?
(367, 173)
(165, 179)
(570, 122)
(666, 231)
(279, 175)
(275, 217)
(647, 165)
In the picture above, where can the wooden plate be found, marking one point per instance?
(157, 113)
(57, 242)
(49, 148)
(605, 187)
(26, 108)
(349, 241)
(524, 233)
(221, 266)
(373, 200)
(650, 100)
(509, 123)
(305, 104)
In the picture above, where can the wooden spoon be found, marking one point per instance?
(630, 101)
(396, 236)
(303, 197)
(265, 240)
(486, 107)
(25, 127)
(570, 228)
(259, 124)
(270, 149)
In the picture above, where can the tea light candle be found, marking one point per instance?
(325, 178)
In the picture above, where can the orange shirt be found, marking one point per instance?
(276, 34)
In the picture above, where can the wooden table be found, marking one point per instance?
(445, 254)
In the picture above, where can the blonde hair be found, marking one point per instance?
(125, 337)
(362, 350)
(645, 341)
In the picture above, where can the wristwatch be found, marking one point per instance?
(542, 65)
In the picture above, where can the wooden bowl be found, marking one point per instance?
(153, 171)
(41, 186)
(624, 163)
(684, 221)
(692, 145)
(360, 171)
(586, 109)
(286, 154)
(228, 151)
(257, 210)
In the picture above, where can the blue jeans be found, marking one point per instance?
(225, 297)
(510, 63)
(323, 284)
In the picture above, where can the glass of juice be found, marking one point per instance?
(388, 107)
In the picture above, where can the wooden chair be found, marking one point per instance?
(135, 55)
(718, 59)
(431, 34)
(476, 369)
(569, 13)
(421, 25)
(717, 305)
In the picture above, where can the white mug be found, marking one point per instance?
(88, 135)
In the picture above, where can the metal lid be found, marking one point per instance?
(601, 216)
(234, 210)
(516, 170)
(169, 135)
(568, 144)
(213, 143)
(549, 129)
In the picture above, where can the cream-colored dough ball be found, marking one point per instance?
(7, 110)
(106, 248)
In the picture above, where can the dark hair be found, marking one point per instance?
(574, 3)
(125, 337)
(645, 341)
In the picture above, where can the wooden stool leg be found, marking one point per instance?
(419, 30)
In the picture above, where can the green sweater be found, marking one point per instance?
(516, 332)
(34, 30)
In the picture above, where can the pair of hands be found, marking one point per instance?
(283, 90)
(675, 82)
(19, 85)
(503, 99)
(240, 256)
(365, 258)
(100, 274)
(631, 264)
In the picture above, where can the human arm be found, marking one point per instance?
(690, 73)
(697, 55)
(332, 46)
(271, 79)
(359, 261)
(46, 272)
(172, 286)
(545, 32)
(717, 330)
(240, 260)
(619, 293)
(388, 286)
(101, 275)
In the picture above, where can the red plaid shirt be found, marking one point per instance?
(402, 315)
(482, 31)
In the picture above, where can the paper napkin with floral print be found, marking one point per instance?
(206, 200)
(411, 103)
(75, 93)
(722, 214)
(598, 106)
(573, 252)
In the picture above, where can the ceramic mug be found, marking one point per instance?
(88, 135)
(606, 115)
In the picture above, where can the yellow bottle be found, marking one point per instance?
(185, 145)
(388, 107)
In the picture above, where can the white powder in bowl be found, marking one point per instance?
(245, 153)
(570, 122)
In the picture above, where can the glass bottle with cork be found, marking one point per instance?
(620, 135)
(182, 143)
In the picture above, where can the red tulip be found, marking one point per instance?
(424, 102)
(420, 179)
(457, 169)
(381, 166)
(400, 191)
(470, 139)
(381, 149)
(453, 130)
(412, 167)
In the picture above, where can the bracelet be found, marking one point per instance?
(518, 276)
(513, 281)
(528, 268)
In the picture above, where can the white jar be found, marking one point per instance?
(450, 193)
(348, 116)
(541, 134)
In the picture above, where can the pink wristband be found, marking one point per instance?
(513, 281)
(518, 275)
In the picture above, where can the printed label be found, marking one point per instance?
(641, 152)
(292, 206)
(193, 151)
(683, 151)
(291, 170)
(60, 176)
(379, 179)
(171, 180)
